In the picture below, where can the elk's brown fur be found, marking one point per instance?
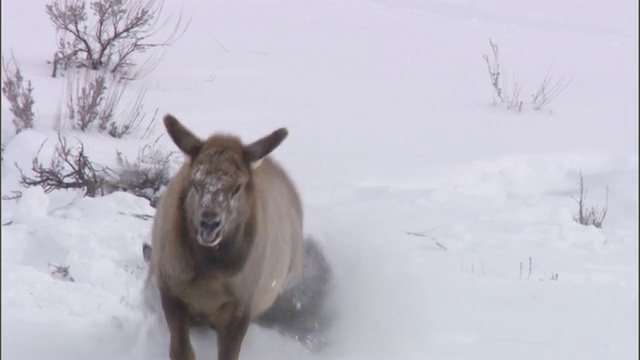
(259, 252)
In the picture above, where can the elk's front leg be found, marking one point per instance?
(231, 325)
(177, 316)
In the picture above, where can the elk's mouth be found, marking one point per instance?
(209, 238)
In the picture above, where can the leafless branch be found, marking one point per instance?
(110, 34)
(590, 215)
(15, 195)
(18, 94)
(145, 177)
(70, 168)
(520, 276)
(92, 99)
(131, 119)
(512, 99)
(493, 66)
(60, 272)
(425, 234)
(548, 91)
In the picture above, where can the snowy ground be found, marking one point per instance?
(388, 105)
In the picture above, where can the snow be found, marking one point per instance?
(448, 222)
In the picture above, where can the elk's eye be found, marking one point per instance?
(236, 190)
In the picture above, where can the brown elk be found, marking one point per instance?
(227, 237)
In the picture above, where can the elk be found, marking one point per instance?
(227, 237)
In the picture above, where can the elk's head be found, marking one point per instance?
(218, 198)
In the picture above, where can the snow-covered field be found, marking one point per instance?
(392, 134)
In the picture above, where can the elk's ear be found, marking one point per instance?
(186, 141)
(256, 151)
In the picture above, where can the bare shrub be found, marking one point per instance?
(109, 34)
(512, 98)
(530, 269)
(60, 272)
(93, 100)
(19, 94)
(548, 90)
(15, 195)
(130, 121)
(493, 65)
(501, 92)
(590, 215)
(90, 101)
(426, 234)
(70, 168)
(146, 177)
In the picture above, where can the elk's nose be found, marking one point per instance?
(210, 220)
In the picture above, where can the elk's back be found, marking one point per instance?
(275, 261)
